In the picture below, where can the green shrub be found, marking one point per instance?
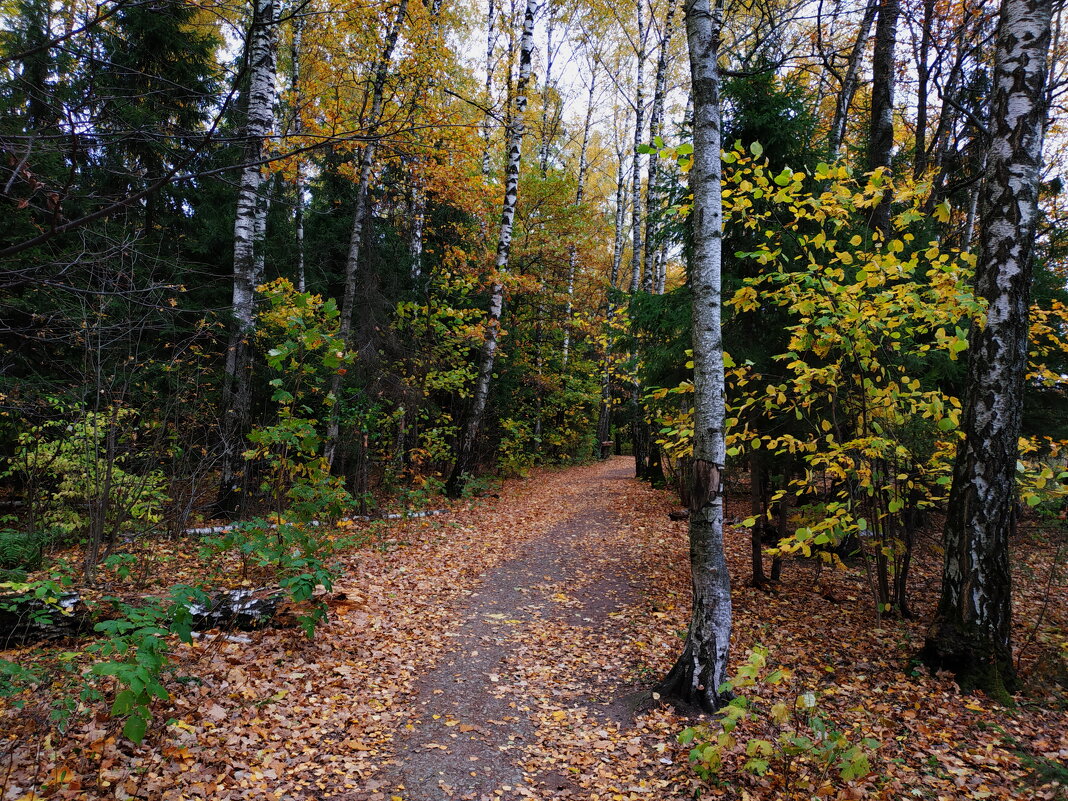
(804, 752)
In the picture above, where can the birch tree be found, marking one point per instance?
(636, 166)
(654, 203)
(249, 228)
(488, 356)
(881, 132)
(367, 161)
(849, 80)
(702, 667)
(972, 631)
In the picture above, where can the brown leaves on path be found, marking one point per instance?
(489, 654)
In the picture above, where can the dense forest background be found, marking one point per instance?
(173, 171)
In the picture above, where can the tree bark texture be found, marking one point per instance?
(580, 189)
(702, 667)
(849, 81)
(352, 260)
(881, 132)
(636, 167)
(653, 201)
(249, 228)
(488, 357)
(298, 129)
(972, 631)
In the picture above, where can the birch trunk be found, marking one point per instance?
(491, 41)
(249, 227)
(469, 437)
(702, 667)
(881, 133)
(656, 128)
(298, 129)
(580, 189)
(636, 167)
(972, 631)
(352, 260)
(849, 81)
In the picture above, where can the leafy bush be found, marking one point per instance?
(805, 752)
(135, 653)
(82, 478)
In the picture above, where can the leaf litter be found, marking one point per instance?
(496, 654)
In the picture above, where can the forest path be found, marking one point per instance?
(518, 653)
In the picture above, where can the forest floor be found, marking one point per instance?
(494, 652)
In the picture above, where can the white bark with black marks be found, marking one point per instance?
(488, 357)
(636, 167)
(580, 189)
(702, 668)
(850, 80)
(360, 215)
(654, 202)
(972, 631)
(249, 229)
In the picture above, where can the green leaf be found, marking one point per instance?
(756, 149)
(135, 727)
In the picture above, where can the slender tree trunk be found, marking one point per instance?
(636, 167)
(923, 74)
(604, 420)
(491, 41)
(298, 129)
(352, 261)
(473, 424)
(881, 134)
(580, 188)
(656, 129)
(849, 81)
(417, 208)
(972, 630)
(546, 96)
(249, 227)
(621, 220)
(702, 667)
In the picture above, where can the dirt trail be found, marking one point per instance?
(473, 711)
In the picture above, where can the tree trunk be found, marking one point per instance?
(656, 129)
(849, 82)
(881, 133)
(923, 73)
(491, 41)
(972, 630)
(580, 188)
(702, 668)
(488, 358)
(636, 167)
(248, 255)
(352, 260)
(298, 129)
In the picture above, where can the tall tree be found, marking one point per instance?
(883, 73)
(636, 166)
(973, 627)
(702, 667)
(488, 356)
(359, 216)
(849, 80)
(249, 226)
(653, 204)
